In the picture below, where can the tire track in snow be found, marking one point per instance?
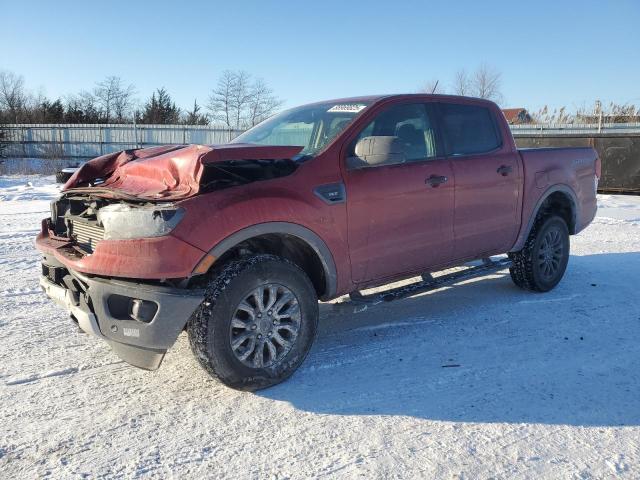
(551, 300)
(34, 377)
(16, 236)
(17, 292)
(616, 221)
(38, 376)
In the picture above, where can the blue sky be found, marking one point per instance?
(549, 52)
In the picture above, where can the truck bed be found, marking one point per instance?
(575, 168)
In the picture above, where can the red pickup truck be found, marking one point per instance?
(236, 243)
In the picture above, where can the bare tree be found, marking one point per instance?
(462, 83)
(486, 83)
(114, 99)
(32, 107)
(82, 108)
(124, 102)
(263, 103)
(240, 97)
(239, 102)
(220, 99)
(432, 86)
(12, 94)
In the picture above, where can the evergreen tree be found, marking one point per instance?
(52, 112)
(160, 109)
(194, 117)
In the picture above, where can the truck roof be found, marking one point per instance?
(426, 96)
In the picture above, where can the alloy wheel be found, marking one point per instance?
(265, 325)
(550, 254)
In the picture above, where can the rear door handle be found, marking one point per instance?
(435, 180)
(504, 170)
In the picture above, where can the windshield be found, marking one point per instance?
(311, 126)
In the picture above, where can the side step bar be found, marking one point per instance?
(429, 283)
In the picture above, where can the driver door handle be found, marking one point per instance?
(435, 180)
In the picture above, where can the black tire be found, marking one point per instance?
(62, 177)
(541, 264)
(210, 327)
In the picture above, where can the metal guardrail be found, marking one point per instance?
(575, 129)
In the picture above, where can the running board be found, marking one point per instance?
(429, 283)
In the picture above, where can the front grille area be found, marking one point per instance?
(85, 233)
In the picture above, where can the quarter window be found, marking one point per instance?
(469, 129)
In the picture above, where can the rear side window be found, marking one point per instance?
(469, 129)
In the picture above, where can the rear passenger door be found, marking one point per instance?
(488, 180)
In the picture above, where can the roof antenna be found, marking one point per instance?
(434, 87)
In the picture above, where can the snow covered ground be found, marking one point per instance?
(475, 381)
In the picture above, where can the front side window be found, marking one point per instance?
(469, 129)
(410, 124)
(312, 127)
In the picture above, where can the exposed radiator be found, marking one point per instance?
(85, 234)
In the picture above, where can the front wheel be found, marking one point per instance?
(541, 264)
(257, 322)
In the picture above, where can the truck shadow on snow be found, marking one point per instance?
(486, 351)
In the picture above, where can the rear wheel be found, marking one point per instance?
(257, 322)
(541, 264)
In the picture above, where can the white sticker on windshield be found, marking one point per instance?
(351, 108)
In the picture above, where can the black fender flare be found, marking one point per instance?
(308, 236)
(553, 189)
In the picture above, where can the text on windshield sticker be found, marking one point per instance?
(351, 108)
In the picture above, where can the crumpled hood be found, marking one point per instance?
(170, 172)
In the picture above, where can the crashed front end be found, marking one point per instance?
(126, 289)
(109, 257)
(113, 252)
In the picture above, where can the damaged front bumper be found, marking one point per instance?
(140, 321)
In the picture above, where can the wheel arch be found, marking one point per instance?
(559, 199)
(296, 241)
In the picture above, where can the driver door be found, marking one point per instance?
(400, 215)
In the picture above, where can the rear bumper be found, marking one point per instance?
(102, 307)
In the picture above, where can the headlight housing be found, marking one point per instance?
(125, 221)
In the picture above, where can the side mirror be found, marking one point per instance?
(373, 151)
